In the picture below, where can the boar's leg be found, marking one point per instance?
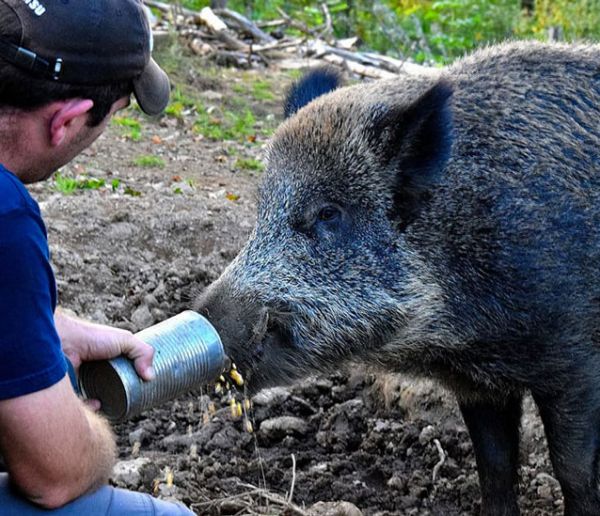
(494, 430)
(572, 425)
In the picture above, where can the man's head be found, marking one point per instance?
(65, 66)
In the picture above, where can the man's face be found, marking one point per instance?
(86, 135)
(79, 136)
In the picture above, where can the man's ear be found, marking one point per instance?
(65, 113)
(414, 142)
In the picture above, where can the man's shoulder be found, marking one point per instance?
(14, 196)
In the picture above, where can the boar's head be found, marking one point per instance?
(327, 275)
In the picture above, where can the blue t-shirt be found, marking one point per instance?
(31, 356)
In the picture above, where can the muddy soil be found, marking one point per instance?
(137, 250)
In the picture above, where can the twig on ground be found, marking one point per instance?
(291, 493)
(440, 463)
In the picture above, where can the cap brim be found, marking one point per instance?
(152, 89)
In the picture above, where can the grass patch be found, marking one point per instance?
(261, 90)
(180, 103)
(67, 185)
(132, 128)
(130, 191)
(149, 161)
(228, 125)
(249, 164)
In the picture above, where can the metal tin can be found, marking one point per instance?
(188, 354)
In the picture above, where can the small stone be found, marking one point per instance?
(138, 436)
(150, 301)
(545, 492)
(142, 318)
(335, 509)
(270, 397)
(397, 483)
(284, 425)
(128, 472)
(427, 434)
(158, 314)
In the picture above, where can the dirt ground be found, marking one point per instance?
(134, 253)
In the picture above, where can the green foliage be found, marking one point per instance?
(578, 19)
(436, 31)
(179, 104)
(258, 88)
(132, 128)
(226, 125)
(149, 161)
(67, 185)
(130, 191)
(249, 164)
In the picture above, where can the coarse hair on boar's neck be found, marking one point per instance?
(444, 225)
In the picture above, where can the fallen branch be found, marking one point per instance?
(219, 28)
(245, 25)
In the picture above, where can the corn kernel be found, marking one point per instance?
(236, 377)
(248, 425)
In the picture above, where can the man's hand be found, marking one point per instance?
(83, 341)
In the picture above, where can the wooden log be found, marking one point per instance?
(219, 28)
(245, 25)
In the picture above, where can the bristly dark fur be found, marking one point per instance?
(313, 84)
(444, 225)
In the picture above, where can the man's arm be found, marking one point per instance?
(55, 448)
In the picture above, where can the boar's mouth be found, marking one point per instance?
(268, 357)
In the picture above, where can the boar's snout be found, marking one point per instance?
(254, 336)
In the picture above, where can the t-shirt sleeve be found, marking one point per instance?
(31, 356)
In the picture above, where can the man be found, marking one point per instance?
(65, 68)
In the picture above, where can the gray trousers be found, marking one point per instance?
(106, 501)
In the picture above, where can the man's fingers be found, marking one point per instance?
(142, 355)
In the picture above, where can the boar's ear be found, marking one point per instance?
(313, 84)
(416, 142)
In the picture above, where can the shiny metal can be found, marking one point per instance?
(188, 354)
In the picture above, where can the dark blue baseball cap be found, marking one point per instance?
(85, 42)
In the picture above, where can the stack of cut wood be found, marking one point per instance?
(233, 39)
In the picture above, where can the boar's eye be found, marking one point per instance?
(328, 213)
(329, 219)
